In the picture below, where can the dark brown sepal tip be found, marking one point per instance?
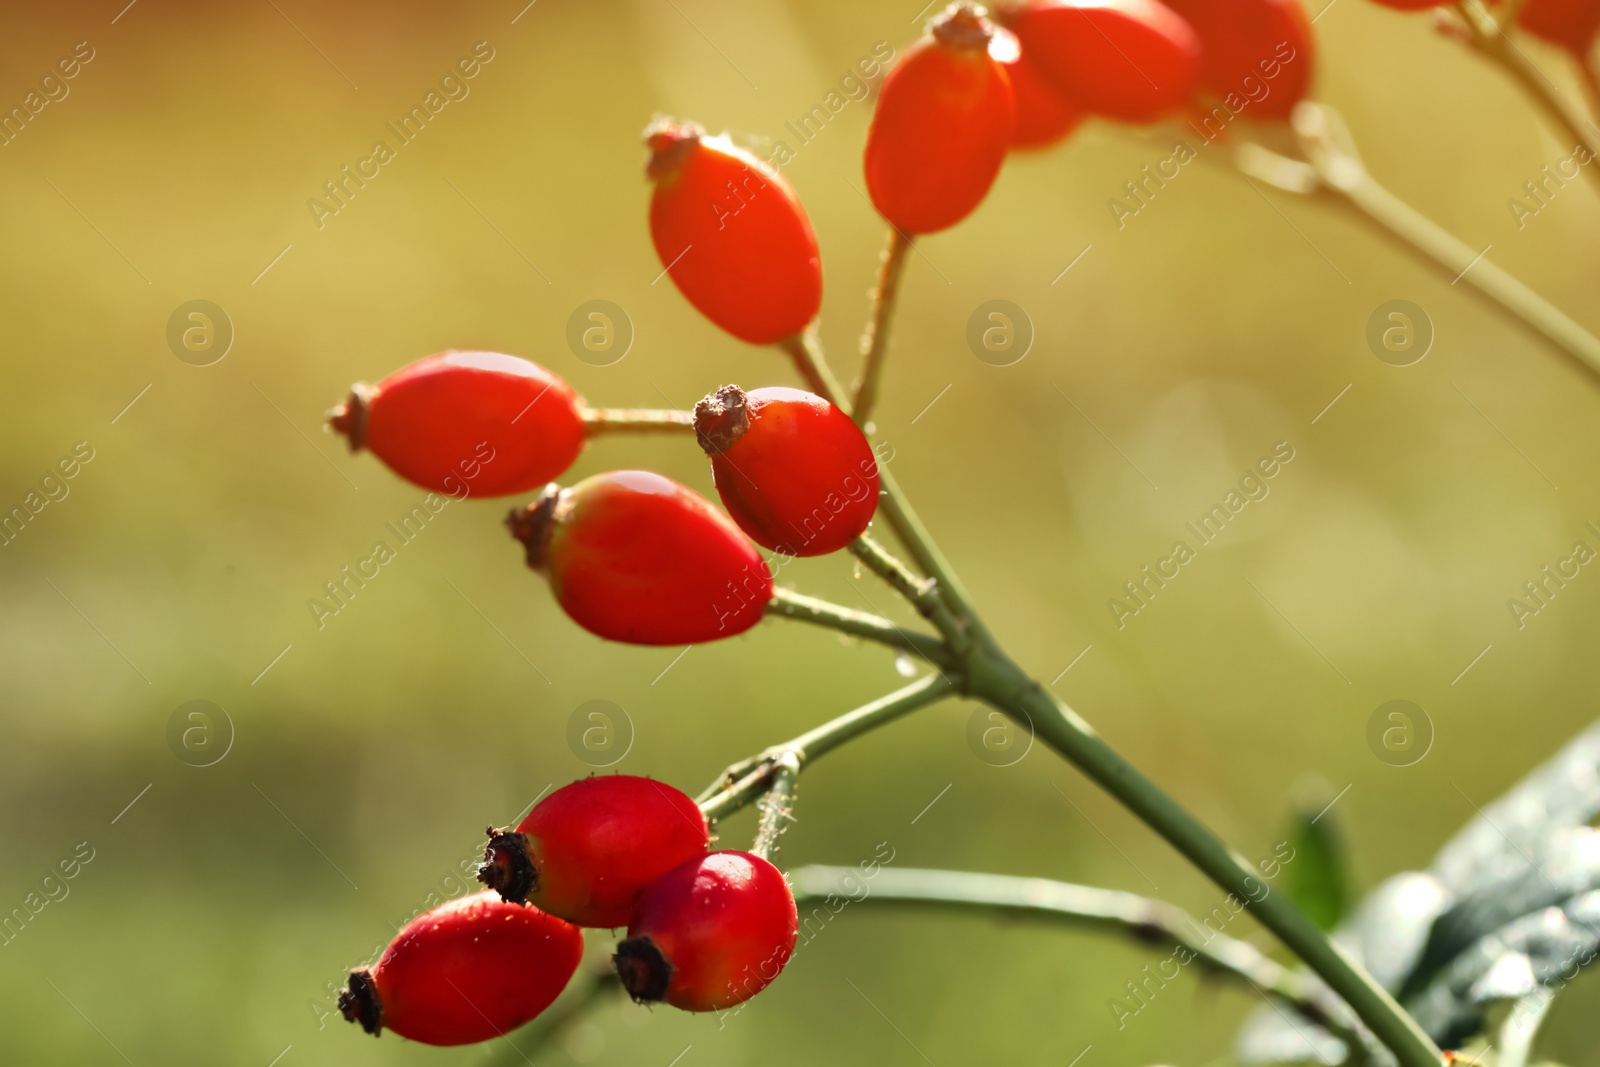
(962, 27)
(670, 144)
(721, 418)
(507, 866)
(644, 971)
(360, 1004)
(350, 418)
(533, 524)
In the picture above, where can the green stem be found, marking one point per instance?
(1334, 171)
(923, 594)
(524, 1045)
(992, 676)
(777, 805)
(1143, 918)
(1492, 42)
(875, 342)
(749, 779)
(790, 605)
(1002, 684)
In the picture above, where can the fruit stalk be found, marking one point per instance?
(777, 804)
(749, 779)
(1334, 171)
(598, 421)
(875, 342)
(1487, 38)
(791, 605)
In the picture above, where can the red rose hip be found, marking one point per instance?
(635, 557)
(1255, 54)
(794, 471)
(467, 971)
(1129, 60)
(464, 423)
(732, 234)
(710, 933)
(942, 125)
(1568, 24)
(1045, 115)
(587, 851)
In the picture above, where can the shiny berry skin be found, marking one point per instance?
(635, 557)
(794, 471)
(732, 234)
(941, 127)
(1569, 24)
(710, 933)
(467, 423)
(587, 851)
(469, 970)
(1128, 60)
(1045, 115)
(1251, 46)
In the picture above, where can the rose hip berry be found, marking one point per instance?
(478, 422)
(1250, 48)
(632, 556)
(1045, 115)
(1129, 60)
(587, 851)
(1569, 24)
(710, 933)
(732, 235)
(942, 125)
(794, 471)
(467, 971)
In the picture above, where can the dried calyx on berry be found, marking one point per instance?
(359, 1002)
(721, 418)
(350, 418)
(507, 866)
(533, 524)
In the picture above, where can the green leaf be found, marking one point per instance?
(1318, 880)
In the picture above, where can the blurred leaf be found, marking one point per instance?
(1509, 911)
(1318, 880)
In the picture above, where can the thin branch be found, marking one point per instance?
(1589, 75)
(634, 420)
(790, 605)
(923, 593)
(777, 806)
(798, 347)
(1489, 40)
(522, 1046)
(875, 342)
(1144, 919)
(1334, 171)
(749, 779)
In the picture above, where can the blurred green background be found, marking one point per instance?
(366, 760)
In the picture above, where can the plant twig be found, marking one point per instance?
(522, 1046)
(798, 345)
(790, 605)
(923, 593)
(1333, 170)
(634, 420)
(1143, 918)
(749, 779)
(778, 804)
(1590, 77)
(1487, 38)
(875, 342)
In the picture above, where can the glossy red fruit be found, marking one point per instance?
(1129, 60)
(635, 557)
(460, 423)
(470, 970)
(710, 933)
(942, 125)
(794, 471)
(587, 851)
(1257, 56)
(1410, 5)
(1569, 24)
(732, 234)
(1045, 115)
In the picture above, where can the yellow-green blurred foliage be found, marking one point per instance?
(1217, 322)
